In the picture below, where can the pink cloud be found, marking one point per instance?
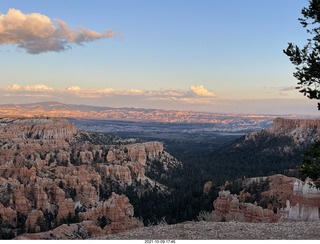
(203, 96)
(37, 33)
(201, 91)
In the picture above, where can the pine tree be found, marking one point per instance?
(311, 163)
(307, 58)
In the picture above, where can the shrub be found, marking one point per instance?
(206, 216)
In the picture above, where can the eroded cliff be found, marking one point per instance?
(302, 131)
(51, 173)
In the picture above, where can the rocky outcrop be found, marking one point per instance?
(305, 202)
(282, 123)
(51, 173)
(137, 171)
(288, 198)
(22, 204)
(300, 212)
(118, 210)
(32, 221)
(86, 157)
(36, 128)
(66, 210)
(121, 174)
(228, 207)
(207, 187)
(8, 216)
(302, 131)
(87, 194)
(137, 152)
(306, 193)
(58, 195)
(41, 198)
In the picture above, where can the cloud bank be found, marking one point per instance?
(196, 94)
(36, 33)
(171, 99)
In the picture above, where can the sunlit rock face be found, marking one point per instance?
(302, 131)
(282, 123)
(52, 173)
(36, 128)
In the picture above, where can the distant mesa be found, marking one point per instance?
(222, 122)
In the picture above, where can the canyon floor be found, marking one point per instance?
(223, 231)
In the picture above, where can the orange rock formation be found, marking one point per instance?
(52, 172)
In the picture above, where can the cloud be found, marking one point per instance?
(201, 91)
(281, 88)
(37, 33)
(181, 99)
(32, 88)
(289, 88)
(14, 87)
(73, 88)
(38, 88)
(203, 96)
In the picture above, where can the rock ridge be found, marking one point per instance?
(297, 123)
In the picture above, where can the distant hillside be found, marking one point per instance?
(218, 122)
(270, 151)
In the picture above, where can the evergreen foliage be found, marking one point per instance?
(21, 222)
(260, 157)
(307, 62)
(4, 235)
(311, 163)
(185, 201)
(70, 220)
(251, 158)
(307, 58)
(103, 221)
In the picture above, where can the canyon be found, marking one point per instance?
(60, 182)
(52, 173)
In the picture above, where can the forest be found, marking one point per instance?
(217, 161)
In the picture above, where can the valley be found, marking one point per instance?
(108, 176)
(183, 140)
(51, 174)
(159, 121)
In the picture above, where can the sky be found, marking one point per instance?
(200, 55)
